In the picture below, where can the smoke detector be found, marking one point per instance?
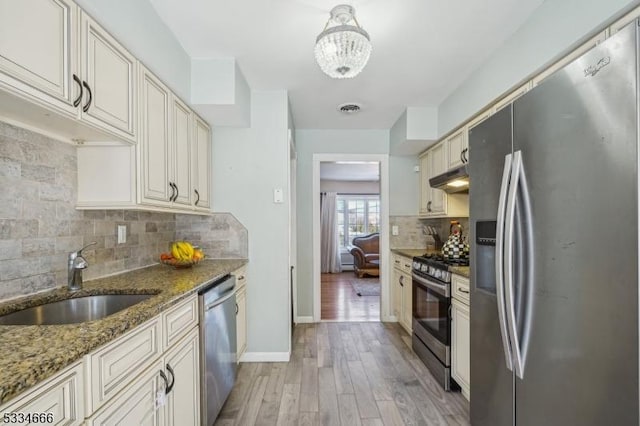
(349, 108)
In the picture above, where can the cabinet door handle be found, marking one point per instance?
(177, 192)
(77, 101)
(197, 195)
(429, 206)
(241, 277)
(85, 108)
(166, 382)
(462, 156)
(173, 191)
(237, 309)
(401, 280)
(463, 290)
(173, 378)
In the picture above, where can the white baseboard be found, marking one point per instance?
(265, 357)
(304, 320)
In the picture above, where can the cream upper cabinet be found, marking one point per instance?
(456, 146)
(438, 165)
(425, 188)
(109, 81)
(201, 165)
(38, 54)
(624, 21)
(181, 146)
(154, 145)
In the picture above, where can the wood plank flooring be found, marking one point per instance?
(340, 302)
(343, 374)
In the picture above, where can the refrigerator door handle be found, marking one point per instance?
(509, 296)
(500, 225)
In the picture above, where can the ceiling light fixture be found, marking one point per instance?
(342, 50)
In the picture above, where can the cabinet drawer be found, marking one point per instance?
(460, 288)
(241, 277)
(179, 320)
(405, 264)
(402, 263)
(114, 366)
(397, 261)
(61, 396)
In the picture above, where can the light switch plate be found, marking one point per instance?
(122, 234)
(278, 195)
(395, 230)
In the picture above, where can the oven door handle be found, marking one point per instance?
(441, 289)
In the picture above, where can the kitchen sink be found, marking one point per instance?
(73, 311)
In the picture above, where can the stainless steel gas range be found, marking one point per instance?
(431, 339)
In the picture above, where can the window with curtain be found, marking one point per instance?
(357, 215)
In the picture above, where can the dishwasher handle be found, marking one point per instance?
(223, 298)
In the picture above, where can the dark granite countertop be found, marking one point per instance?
(30, 354)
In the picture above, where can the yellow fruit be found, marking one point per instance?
(182, 250)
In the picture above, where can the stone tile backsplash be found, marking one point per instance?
(39, 223)
(221, 235)
(411, 233)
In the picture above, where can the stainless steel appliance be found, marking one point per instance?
(554, 232)
(218, 345)
(431, 340)
(453, 180)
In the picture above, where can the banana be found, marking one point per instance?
(182, 250)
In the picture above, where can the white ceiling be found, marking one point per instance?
(368, 172)
(422, 49)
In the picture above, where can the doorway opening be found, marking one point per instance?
(350, 215)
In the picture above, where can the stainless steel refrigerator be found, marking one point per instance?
(554, 232)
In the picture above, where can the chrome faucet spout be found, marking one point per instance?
(76, 263)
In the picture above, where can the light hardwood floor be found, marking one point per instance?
(343, 374)
(339, 301)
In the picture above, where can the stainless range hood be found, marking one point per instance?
(452, 181)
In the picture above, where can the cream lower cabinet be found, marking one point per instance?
(460, 334)
(183, 364)
(138, 404)
(402, 292)
(148, 376)
(57, 401)
(241, 311)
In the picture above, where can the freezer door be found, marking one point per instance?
(578, 138)
(491, 381)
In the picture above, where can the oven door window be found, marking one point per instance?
(431, 311)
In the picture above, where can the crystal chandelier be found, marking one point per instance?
(342, 50)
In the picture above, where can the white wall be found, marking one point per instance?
(349, 187)
(136, 25)
(404, 186)
(247, 165)
(309, 142)
(552, 29)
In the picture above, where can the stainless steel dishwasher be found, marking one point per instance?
(217, 345)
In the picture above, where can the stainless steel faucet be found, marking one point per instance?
(75, 266)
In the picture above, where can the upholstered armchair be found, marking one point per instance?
(366, 255)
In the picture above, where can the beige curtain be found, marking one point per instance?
(329, 249)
